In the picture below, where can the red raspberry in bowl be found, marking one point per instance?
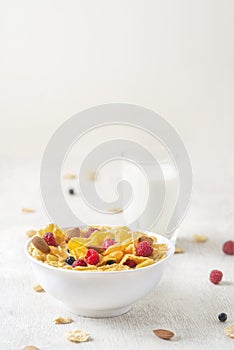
(50, 240)
(144, 249)
(90, 231)
(130, 263)
(216, 276)
(108, 242)
(79, 262)
(91, 257)
(228, 248)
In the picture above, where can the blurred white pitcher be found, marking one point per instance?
(140, 187)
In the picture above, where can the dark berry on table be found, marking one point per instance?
(71, 191)
(222, 317)
(110, 262)
(70, 260)
(50, 240)
(130, 263)
(79, 262)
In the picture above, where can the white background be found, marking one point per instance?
(173, 56)
(176, 57)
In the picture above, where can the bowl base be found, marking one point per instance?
(100, 313)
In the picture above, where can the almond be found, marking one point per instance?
(98, 249)
(40, 244)
(163, 333)
(146, 239)
(74, 232)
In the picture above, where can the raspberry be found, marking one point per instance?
(130, 263)
(228, 248)
(49, 238)
(92, 257)
(90, 231)
(144, 249)
(108, 242)
(216, 276)
(79, 262)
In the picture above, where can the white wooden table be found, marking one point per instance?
(184, 302)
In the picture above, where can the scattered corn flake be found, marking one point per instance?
(199, 238)
(62, 320)
(229, 331)
(92, 176)
(69, 176)
(77, 336)
(30, 347)
(27, 210)
(38, 288)
(179, 250)
(115, 210)
(31, 233)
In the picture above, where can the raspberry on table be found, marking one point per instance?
(91, 257)
(108, 242)
(144, 249)
(130, 263)
(79, 262)
(50, 240)
(228, 248)
(216, 276)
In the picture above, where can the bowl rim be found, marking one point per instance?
(170, 253)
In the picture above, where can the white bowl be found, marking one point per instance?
(100, 293)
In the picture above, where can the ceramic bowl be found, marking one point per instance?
(97, 293)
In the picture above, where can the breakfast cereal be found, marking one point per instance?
(96, 248)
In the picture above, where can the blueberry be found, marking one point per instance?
(71, 191)
(110, 262)
(68, 251)
(70, 260)
(222, 317)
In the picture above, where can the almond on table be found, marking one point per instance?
(163, 333)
